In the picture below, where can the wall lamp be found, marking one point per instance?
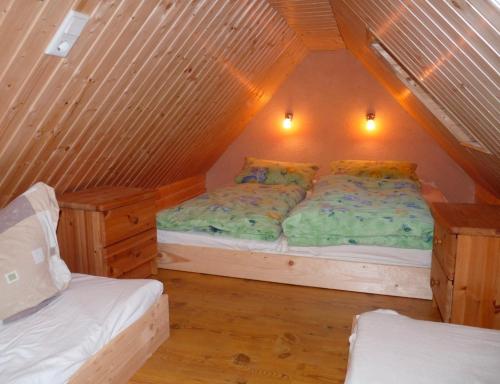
(370, 121)
(287, 121)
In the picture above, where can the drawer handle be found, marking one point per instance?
(136, 253)
(496, 307)
(435, 283)
(438, 241)
(133, 219)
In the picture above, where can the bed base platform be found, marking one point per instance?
(118, 360)
(309, 271)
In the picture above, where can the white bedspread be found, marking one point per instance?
(387, 348)
(50, 345)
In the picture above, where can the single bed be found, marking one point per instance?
(98, 330)
(371, 269)
(389, 348)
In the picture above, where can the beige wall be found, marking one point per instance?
(329, 94)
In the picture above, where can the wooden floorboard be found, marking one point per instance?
(226, 330)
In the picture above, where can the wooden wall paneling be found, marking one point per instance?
(180, 191)
(181, 116)
(482, 196)
(23, 29)
(144, 85)
(246, 66)
(127, 104)
(313, 21)
(482, 167)
(35, 98)
(230, 124)
(106, 75)
(174, 71)
(427, 64)
(56, 126)
(133, 140)
(244, 58)
(292, 55)
(230, 84)
(473, 97)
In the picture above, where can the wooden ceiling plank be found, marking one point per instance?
(173, 87)
(109, 80)
(234, 118)
(123, 123)
(62, 148)
(474, 115)
(53, 125)
(146, 74)
(245, 57)
(483, 168)
(311, 21)
(176, 67)
(200, 117)
(469, 103)
(232, 97)
(23, 119)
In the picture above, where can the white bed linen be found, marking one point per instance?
(368, 254)
(50, 345)
(359, 253)
(388, 348)
(213, 241)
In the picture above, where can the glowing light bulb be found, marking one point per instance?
(370, 122)
(287, 122)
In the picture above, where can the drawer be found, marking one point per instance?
(124, 222)
(442, 289)
(142, 271)
(127, 255)
(445, 249)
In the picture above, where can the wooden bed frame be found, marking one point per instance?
(118, 360)
(310, 271)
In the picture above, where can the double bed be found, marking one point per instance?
(393, 259)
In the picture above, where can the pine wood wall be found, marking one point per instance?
(152, 92)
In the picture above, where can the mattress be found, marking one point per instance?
(391, 349)
(50, 345)
(358, 253)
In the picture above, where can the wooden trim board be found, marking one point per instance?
(118, 360)
(179, 191)
(299, 270)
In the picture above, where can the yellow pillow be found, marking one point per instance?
(384, 169)
(277, 172)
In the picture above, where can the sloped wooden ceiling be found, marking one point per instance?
(450, 48)
(313, 21)
(152, 92)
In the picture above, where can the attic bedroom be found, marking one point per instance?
(261, 191)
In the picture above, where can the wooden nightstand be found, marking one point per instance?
(109, 231)
(465, 274)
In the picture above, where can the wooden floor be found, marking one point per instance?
(227, 330)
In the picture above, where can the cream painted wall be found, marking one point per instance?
(329, 94)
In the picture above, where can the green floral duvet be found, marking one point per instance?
(246, 211)
(362, 210)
